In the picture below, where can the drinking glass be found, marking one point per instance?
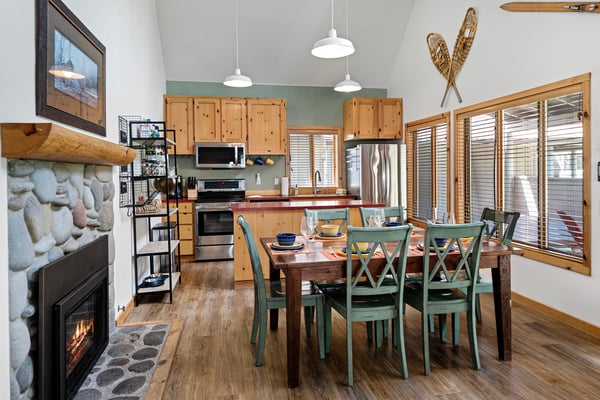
(311, 223)
(376, 220)
(304, 229)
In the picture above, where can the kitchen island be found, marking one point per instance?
(268, 218)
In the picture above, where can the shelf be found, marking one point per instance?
(162, 213)
(158, 247)
(150, 141)
(162, 288)
(164, 225)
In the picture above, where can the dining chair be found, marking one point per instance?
(367, 297)
(388, 212)
(499, 225)
(330, 215)
(274, 298)
(446, 271)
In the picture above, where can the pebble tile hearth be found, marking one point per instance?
(125, 368)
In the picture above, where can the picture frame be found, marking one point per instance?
(70, 69)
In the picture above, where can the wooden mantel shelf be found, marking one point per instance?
(51, 142)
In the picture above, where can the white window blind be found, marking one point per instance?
(312, 151)
(428, 167)
(526, 154)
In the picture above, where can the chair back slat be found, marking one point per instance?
(388, 212)
(500, 224)
(328, 216)
(455, 264)
(391, 244)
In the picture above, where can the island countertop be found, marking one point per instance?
(301, 205)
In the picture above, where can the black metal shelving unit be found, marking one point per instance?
(142, 184)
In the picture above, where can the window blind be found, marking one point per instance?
(310, 152)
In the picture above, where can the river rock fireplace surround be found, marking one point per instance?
(60, 204)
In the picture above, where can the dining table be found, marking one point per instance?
(321, 259)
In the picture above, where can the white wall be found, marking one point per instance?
(134, 86)
(511, 52)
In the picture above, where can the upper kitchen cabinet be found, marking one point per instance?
(179, 117)
(207, 119)
(373, 118)
(234, 120)
(266, 126)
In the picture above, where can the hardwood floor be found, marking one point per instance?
(215, 360)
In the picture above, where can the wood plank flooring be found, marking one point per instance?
(215, 360)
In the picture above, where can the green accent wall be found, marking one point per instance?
(306, 105)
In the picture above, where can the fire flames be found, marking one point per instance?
(79, 343)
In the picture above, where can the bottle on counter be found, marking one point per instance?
(296, 191)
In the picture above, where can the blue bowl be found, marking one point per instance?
(393, 223)
(441, 242)
(286, 238)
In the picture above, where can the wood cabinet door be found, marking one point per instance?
(207, 119)
(179, 117)
(233, 120)
(366, 118)
(266, 126)
(390, 118)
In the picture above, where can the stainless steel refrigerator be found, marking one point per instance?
(377, 172)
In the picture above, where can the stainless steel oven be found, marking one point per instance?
(214, 218)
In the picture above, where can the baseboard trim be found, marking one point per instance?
(120, 320)
(576, 323)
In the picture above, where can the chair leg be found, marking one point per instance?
(442, 323)
(255, 320)
(424, 323)
(478, 309)
(378, 333)
(398, 337)
(473, 339)
(431, 323)
(327, 318)
(349, 351)
(321, 327)
(308, 318)
(455, 328)
(262, 338)
(369, 325)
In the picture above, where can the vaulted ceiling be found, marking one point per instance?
(275, 39)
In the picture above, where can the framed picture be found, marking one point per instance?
(70, 70)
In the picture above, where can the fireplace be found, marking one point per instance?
(73, 319)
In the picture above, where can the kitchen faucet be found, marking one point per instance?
(317, 176)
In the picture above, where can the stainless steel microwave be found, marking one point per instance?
(220, 155)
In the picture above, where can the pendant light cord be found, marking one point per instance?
(331, 14)
(347, 33)
(237, 56)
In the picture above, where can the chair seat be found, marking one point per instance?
(414, 290)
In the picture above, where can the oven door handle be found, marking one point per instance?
(212, 209)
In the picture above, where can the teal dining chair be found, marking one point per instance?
(388, 212)
(329, 215)
(499, 225)
(367, 297)
(273, 297)
(447, 270)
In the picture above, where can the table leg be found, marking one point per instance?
(502, 307)
(293, 278)
(274, 275)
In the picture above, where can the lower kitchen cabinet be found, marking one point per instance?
(185, 219)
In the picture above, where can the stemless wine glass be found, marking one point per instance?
(304, 229)
(376, 220)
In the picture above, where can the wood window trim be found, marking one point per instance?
(315, 130)
(581, 83)
(409, 129)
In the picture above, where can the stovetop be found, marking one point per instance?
(221, 190)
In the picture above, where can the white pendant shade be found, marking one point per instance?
(237, 80)
(347, 85)
(332, 46)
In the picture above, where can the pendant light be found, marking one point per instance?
(347, 85)
(332, 46)
(237, 79)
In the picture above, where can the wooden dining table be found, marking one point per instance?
(321, 260)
